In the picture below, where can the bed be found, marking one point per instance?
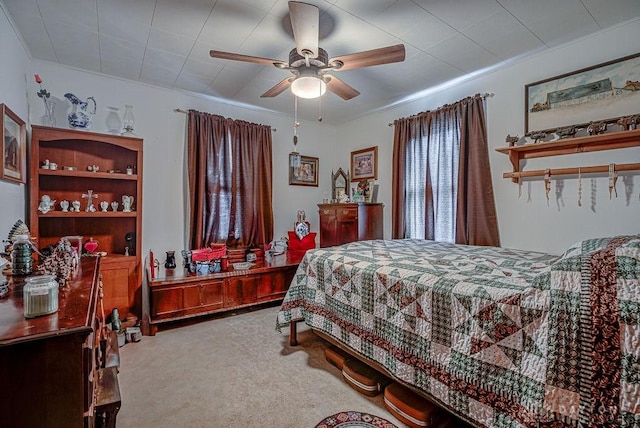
(500, 337)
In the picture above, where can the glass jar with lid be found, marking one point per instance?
(40, 295)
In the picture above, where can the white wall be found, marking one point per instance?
(13, 93)
(527, 222)
(164, 134)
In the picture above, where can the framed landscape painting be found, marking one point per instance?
(14, 146)
(602, 92)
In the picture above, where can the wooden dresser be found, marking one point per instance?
(343, 223)
(49, 364)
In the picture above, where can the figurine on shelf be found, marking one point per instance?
(114, 206)
(65, 206)
(597, 128)
(46, 204)
(75, 206)
(90, 196)
(537, 136)
(511, 140)
(566, 132)
(127, 203)
(103, 206)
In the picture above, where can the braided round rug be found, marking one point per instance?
(352, 419)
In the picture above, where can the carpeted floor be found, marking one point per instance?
(235, 371)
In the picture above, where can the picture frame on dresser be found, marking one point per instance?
(601, 92)
(306, 174)
(14, 146)
(364, 164)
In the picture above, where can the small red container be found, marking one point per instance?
(306, 243)
(216, 251)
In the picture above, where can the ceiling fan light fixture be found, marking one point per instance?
(308, 86)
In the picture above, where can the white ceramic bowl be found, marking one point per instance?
(242, 266)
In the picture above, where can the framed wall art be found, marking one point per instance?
(306, 174)
(364, 164)
(602, 92)
(14, 146)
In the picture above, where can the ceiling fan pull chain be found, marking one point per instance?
(296, 124)
(319, 109)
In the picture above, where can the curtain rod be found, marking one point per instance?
(179, 110)
(485, 95)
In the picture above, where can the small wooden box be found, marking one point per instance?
(410, 408)
(363, 378)
(336, 356)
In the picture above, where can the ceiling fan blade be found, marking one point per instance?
(340, 88)
(379, 56)
(278, 89)
(305, 21)
(247, 58)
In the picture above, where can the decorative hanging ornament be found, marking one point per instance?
(579, 188)
(613, 179)
(294, 156)
(547, 183)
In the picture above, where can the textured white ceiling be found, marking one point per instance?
(167, 42)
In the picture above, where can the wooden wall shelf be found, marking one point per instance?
(592, 143)
(89, 174)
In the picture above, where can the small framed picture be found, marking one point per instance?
(364, 164)
(14, 146)
(306, 174)
(367, 189)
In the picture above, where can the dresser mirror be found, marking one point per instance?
(339, 184)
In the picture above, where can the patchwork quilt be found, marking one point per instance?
(504, 338)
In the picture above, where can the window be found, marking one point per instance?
(431, 177)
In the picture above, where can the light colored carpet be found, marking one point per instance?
(235, 371)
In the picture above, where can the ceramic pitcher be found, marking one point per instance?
(80, 117)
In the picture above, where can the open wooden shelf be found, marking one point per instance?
(81, 214)
(88, 174)
(591, 143)
(113, 230)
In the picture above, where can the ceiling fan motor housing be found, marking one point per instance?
(297, 60)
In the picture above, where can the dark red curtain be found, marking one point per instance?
(476, 220)
(230, 181)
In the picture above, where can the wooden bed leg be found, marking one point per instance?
(293, 333)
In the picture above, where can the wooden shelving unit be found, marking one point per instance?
(122, 274)
(592, 143)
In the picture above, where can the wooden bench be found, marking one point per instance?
(176, 294)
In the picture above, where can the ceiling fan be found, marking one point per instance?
(310, 64)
